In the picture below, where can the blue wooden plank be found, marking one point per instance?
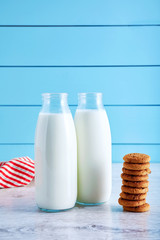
(79, 12)
(119, 151)
(119, 85)
(18, 124)
(11, 151)
(80, 46)
(128, 124)
(134, 124)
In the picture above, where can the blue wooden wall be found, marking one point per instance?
(70, 46)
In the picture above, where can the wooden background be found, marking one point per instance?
(104, 46)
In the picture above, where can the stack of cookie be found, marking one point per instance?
(135, 182)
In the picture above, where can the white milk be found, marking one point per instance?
(94, 156)
(55, 161)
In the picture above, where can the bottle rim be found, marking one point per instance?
(49, 95)
(90, 94)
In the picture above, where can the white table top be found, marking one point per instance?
(21, 219)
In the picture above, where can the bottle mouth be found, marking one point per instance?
(90, 100)
(89, 95)
(98, 94)
(54, 95)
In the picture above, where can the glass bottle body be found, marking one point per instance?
(94, 150)
(55, 155)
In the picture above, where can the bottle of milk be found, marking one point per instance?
(94, 150)
(55, 155)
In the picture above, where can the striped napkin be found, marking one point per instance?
(17, 172)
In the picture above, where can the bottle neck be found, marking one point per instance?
(54, 103)
(90, 101)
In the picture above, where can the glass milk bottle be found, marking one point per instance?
(94, 150)
(55, 155)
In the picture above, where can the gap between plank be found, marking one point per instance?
(114, 144)
(76, 25)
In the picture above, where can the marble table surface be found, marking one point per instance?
(21, 219)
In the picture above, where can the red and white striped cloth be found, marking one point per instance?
(17, 172)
